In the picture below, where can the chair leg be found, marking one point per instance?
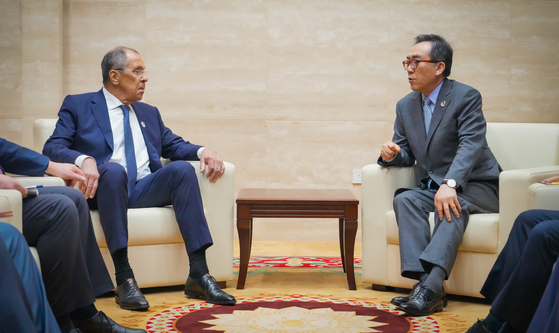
(379, 287)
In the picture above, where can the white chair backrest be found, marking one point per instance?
(524, 145)
(42, 130)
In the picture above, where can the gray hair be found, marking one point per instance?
(115, 59)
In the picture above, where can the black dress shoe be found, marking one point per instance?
(477, 328)
(100, 323)
(129, 296)
(424, 303)
(207, 288)
(404, 299)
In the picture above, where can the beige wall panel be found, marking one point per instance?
(10, 70)
(320, 154)
(326, 59)
(91, 28)
(534, 68)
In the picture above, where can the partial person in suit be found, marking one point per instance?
(117, 142)
(24, 307)
(57, 222)
(546, 318)
(519, 277)
(440, 126)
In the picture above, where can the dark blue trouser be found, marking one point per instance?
(24, 307)
(175, 184)
(518, 278)
(546, 318)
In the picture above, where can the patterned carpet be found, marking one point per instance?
(334, 310)
(289, 313)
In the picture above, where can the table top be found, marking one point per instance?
(252, 195)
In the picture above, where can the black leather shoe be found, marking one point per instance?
(100, 323)
(424, 303)
(129, 296)
(404, 299)
(75, 330)
(207, 288)
(477, 328)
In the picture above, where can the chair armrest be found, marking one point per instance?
(45, 181)
(10, 200)
(542, 196)
(219, 206)
(514, 196)
(378, 187)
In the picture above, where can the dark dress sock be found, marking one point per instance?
(435, 279)
(198, 264)
(85, 313)
(123, 271)
(493, 323)
(65, 324)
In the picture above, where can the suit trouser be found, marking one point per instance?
(419, 250)
(57, 222)
(546, 318)
(518, 278)
(24, 307)
(175, 184)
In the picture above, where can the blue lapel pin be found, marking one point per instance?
(443, 103)
(143, 124)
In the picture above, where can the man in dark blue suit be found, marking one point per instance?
(117, 142)
(517, 281)
(57, 222)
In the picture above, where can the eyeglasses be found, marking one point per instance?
(413, 63)
(137, 72)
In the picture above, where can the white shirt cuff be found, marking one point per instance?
(80, 159)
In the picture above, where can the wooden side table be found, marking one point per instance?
(315, 203)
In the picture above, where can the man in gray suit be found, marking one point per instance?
(439, 126)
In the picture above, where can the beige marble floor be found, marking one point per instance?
(460, 313)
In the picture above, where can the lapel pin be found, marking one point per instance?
(443, 103)
(143, 124)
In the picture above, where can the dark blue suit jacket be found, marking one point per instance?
(84, 127)
(17, 159)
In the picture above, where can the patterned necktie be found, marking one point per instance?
(427, 113)
(131, 168)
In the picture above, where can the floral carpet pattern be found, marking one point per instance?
(289, 313)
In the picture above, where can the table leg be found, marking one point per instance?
(350, 231)
(244, 229)
(342, 246)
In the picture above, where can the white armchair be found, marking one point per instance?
(527, 152)
(155, 246)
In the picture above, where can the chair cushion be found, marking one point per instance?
(481, 235)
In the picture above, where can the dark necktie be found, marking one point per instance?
(129, 152)
(427, 114)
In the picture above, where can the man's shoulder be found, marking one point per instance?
(143, 105)
(461, 88)
(409, 97)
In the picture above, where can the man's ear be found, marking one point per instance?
(114, 77)
(440, 68)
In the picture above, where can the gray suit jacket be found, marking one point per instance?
(455, 146)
